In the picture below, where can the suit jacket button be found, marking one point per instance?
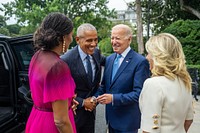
(155, 127)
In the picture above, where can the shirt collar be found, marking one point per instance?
(81, 53)
(126, 52)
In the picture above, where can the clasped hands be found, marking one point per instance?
(91, 102)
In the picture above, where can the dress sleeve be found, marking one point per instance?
(59, 84)
(151, 100)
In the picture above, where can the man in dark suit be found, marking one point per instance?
(195, 79)
(120, 92)
(85, 61)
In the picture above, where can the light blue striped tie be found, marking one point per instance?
(116, 65)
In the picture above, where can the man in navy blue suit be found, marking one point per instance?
(120, 90)
(78, 59)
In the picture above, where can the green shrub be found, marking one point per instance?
(105, 46)
(188, 33)
(4, 31)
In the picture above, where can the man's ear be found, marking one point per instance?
(130, 39)
(77, 39)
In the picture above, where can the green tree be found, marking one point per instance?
(2, 21)
(27, 29)
(185, 6)
(105, 46)
(14, 29)
(31, 13)
(164, 12)
(4, 31)
(188, 33)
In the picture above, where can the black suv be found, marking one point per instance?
(15, 101)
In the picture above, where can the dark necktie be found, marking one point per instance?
(89, 68)
(116, 65)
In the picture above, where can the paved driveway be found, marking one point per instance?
(100, 126)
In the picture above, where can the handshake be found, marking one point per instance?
(90, 103)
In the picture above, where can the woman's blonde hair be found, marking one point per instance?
(168, 58)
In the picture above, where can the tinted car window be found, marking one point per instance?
(4, 78)
(6, 109)
(24, 52)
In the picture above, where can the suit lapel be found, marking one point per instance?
(110, 67)
(97, 65)
(124, 64)
(80, 66)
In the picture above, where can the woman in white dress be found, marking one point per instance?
(166, 100)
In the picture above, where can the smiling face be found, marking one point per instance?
(119, 40)
(88, 41)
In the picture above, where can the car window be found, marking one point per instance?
(24, 53)
(4, 78)
(3, 63)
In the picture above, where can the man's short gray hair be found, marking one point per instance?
(125, 27)
(84, 27)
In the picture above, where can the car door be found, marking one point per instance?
(15, 100)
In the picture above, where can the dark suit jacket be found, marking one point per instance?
(84, 88)
(126, 86)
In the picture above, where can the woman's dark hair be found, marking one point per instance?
(51, 32)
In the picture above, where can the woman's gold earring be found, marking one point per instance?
(64, 46)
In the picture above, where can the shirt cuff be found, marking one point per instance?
(112, 100)
(83, 102)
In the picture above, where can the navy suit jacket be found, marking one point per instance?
(84, 88)
(124, 114)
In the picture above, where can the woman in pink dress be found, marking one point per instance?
(51, 84)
